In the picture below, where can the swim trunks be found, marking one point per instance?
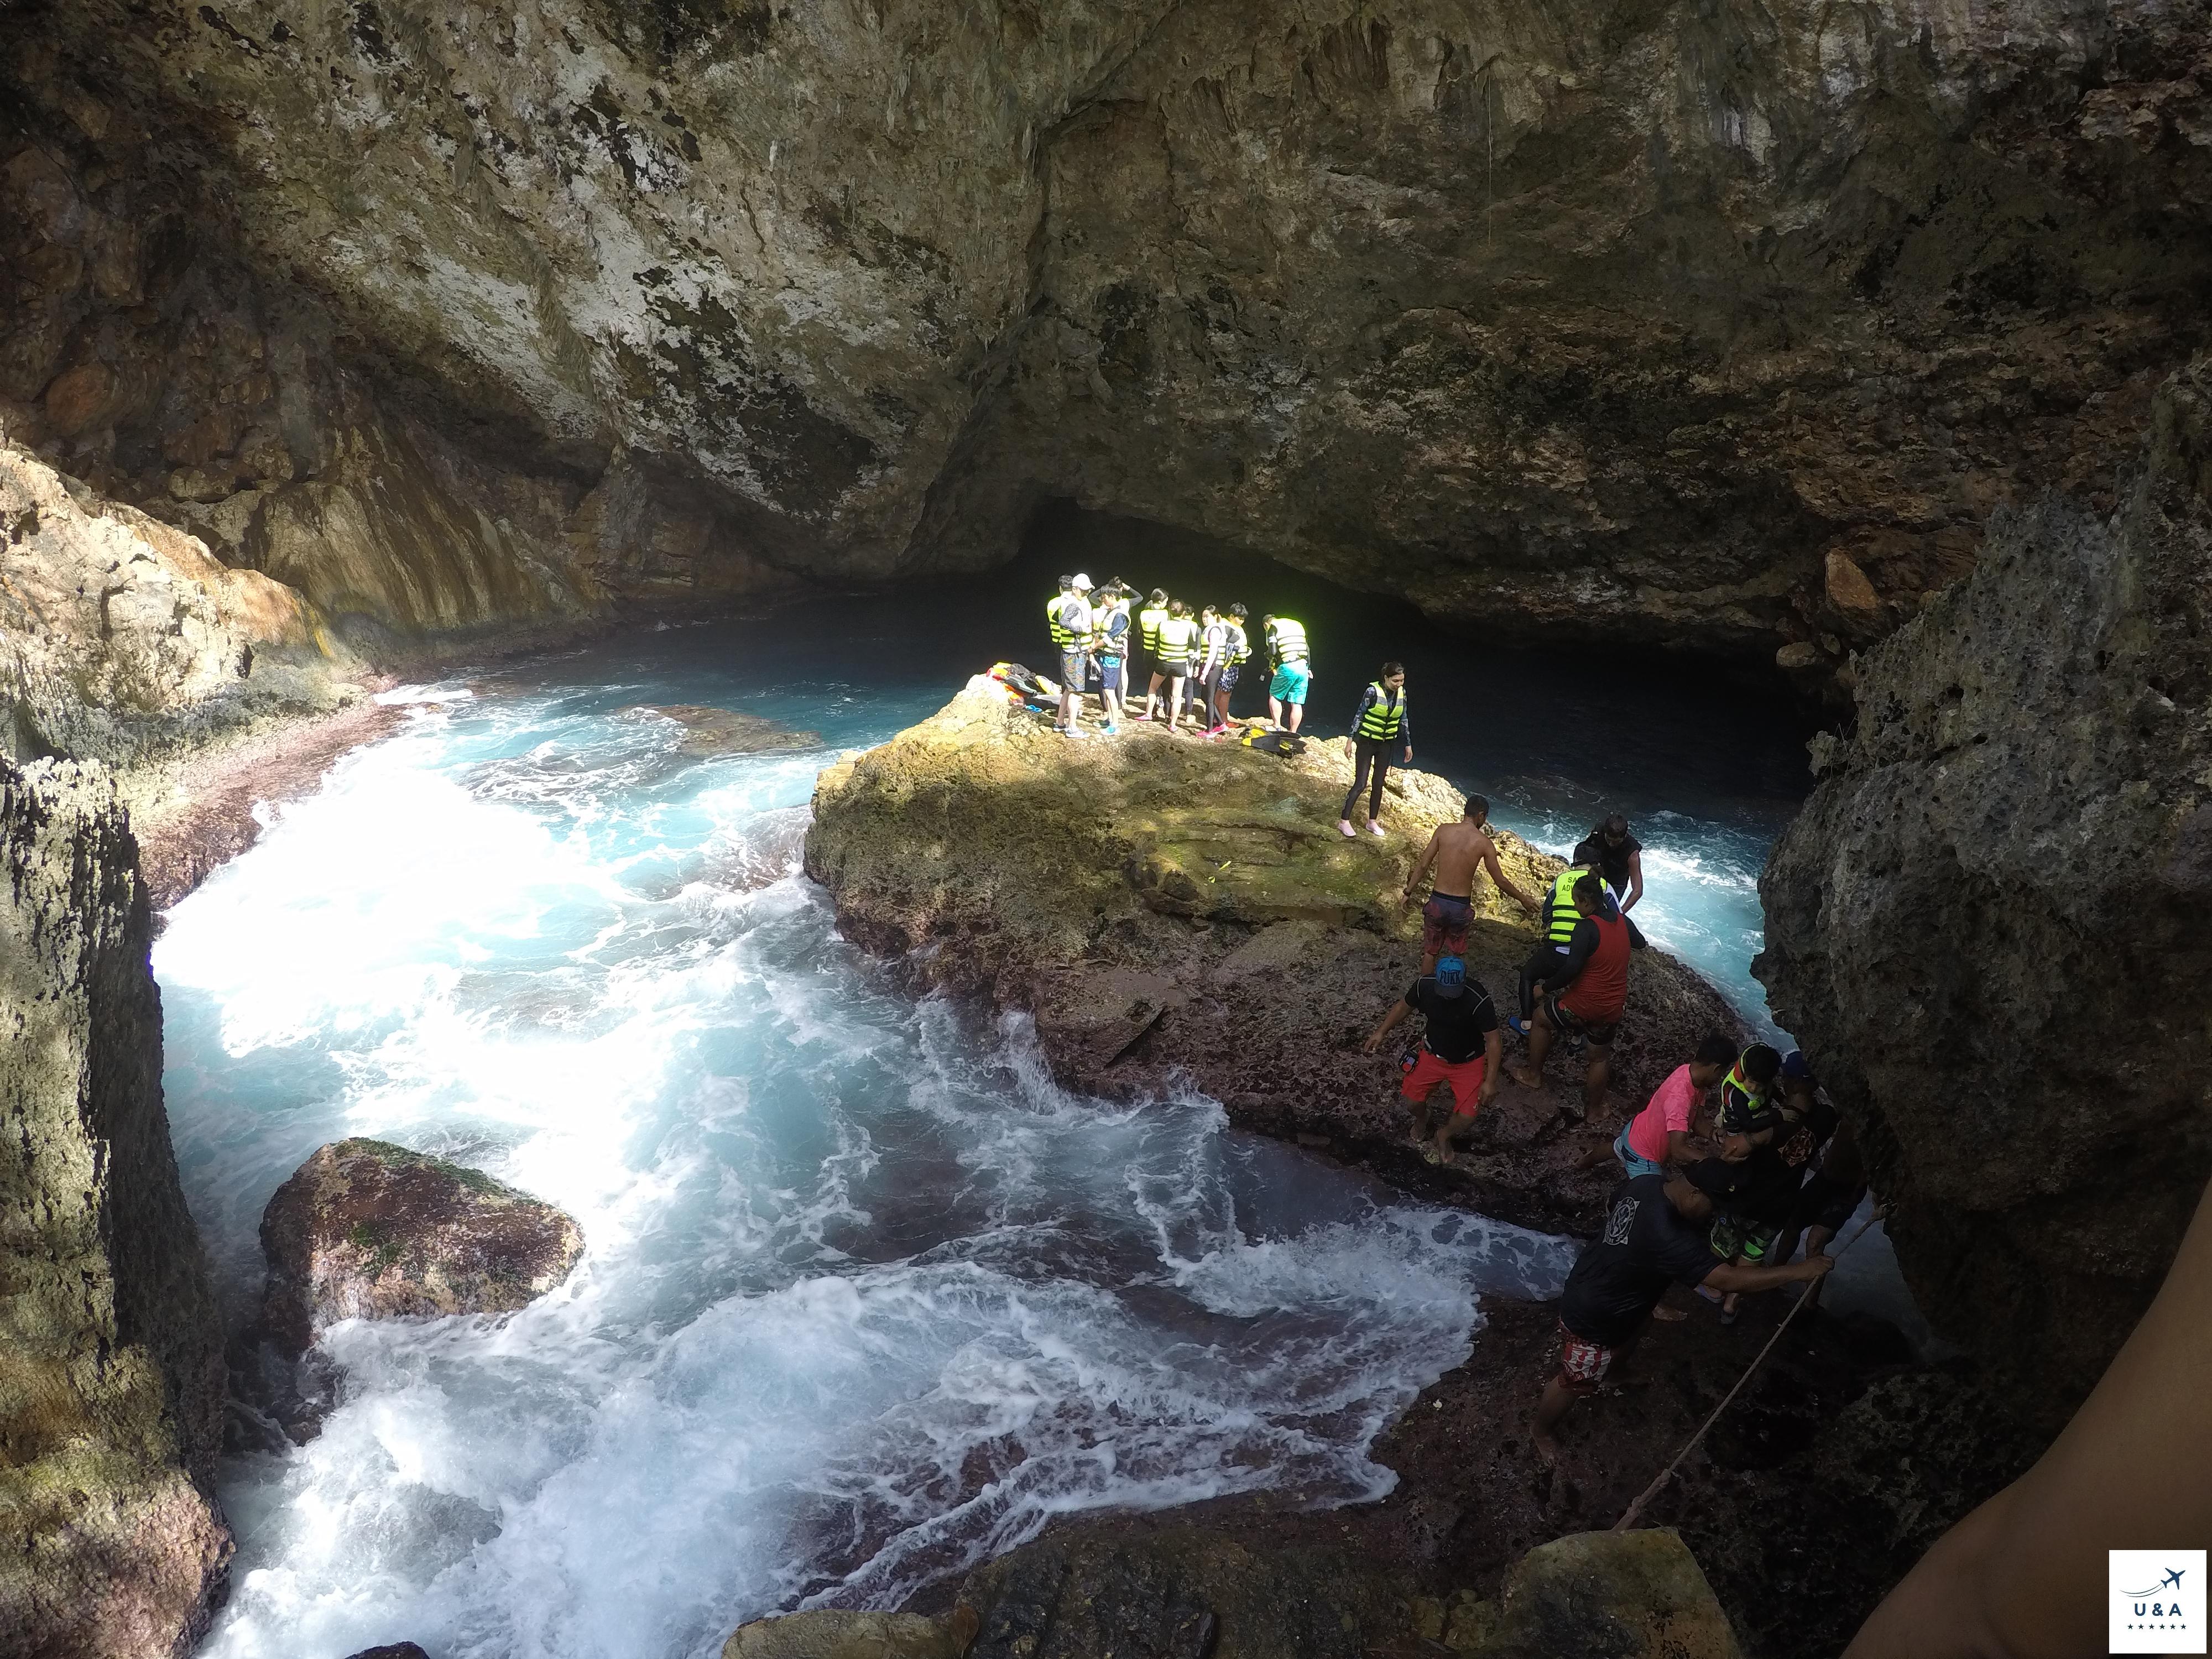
(1425, 1069)
(1733, 1237)
(1598, 1036)
(1443, 925)
(1110, 673)
(1631, 1160)
(1289, 683)
(1075, 670)
(1229, 671)
(1582, 1362)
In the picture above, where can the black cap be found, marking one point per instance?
(1715, 1177)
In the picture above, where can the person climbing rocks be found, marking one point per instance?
(1178, 639)
(1456, 851)
(1148, 635)
(1752, 1208)
(1379, 725)
(1224, 682)
(1110, 644)
(1583, 993)
(1655, 1234)
(1289, 674)
(1836, 1177)
(1664, 1134)
(1460, 1046)
(1751, 1112)
(1618, 856)
(1069, 619)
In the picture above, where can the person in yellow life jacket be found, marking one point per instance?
(1070, 621)
(1148, 635)
(1178, 644)
(1291, 676)
(1110, 644)
(1584, 993)
(1380, 724)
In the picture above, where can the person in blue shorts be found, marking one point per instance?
(1287, 651)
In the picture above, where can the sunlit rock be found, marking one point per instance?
(111, 1372)
(365, 1229)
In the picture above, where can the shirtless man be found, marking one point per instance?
(1457, 850)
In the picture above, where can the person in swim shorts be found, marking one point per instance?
(1460, 1046)
(1457, 851)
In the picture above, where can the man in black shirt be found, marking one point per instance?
(1460, 1046)
(1655, 1235)
(1618, 856)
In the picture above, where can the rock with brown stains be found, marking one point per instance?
(366, 1230)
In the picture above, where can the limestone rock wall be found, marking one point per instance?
(1991, 926)
(111, 1366)
(1711, 324)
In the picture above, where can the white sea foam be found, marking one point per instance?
(866, 1297)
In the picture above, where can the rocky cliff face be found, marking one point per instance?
(1706, 324)
(111, 1369)
(1992, 925)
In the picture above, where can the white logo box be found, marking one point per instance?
(2157, 1603)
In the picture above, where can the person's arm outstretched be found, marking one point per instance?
(1428, 858)
(1635, 881)
(1498, 874)
(2023, 1576)
(1397, 1012)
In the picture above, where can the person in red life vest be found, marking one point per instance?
(1460, 1046)
(1583, 993)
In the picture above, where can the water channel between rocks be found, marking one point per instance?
(866, 1297)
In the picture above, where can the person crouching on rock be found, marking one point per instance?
(1655, 1235)
(1583, 993)
(1460, 1045)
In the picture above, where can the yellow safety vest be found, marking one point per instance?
(1380, 720)
(1148, 628)
(1287, 640)
(1110, 644)
(1060, 636)
(1756, 1104)
(1240, 646)
(1176, 634)
(1559, 913)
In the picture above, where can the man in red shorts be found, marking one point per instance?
(1460, 1045)
(1655, 1235)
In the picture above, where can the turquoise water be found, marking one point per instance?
(866, 1297)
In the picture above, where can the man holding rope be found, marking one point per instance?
(1655, 1235)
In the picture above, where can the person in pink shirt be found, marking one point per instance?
(1661, 1135)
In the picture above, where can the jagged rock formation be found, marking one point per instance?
(121, 639)
(1173, 911)
(1991, 926)
(366, 1230)
(110, 1369)
(1189, 1593)
(1722, 327)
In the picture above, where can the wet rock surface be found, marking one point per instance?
(111, 1375)
(1673, 324)
(1990, 919)
(366, 1230)
(1175, 912)
(709, 731)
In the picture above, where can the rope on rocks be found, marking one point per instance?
(1628, 1517)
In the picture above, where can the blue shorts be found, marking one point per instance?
(1110, 673)
(1631, 1160)
(1289, 683)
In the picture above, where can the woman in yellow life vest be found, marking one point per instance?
(1178, 641)
(1148, 635)
(1379, 725)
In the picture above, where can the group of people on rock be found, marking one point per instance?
(1736, 1156)
(1196, 656)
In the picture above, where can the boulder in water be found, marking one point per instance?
(708, 730)
(837, 1633)
(367, 1229)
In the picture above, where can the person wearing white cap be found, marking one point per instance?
(1070, 631)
